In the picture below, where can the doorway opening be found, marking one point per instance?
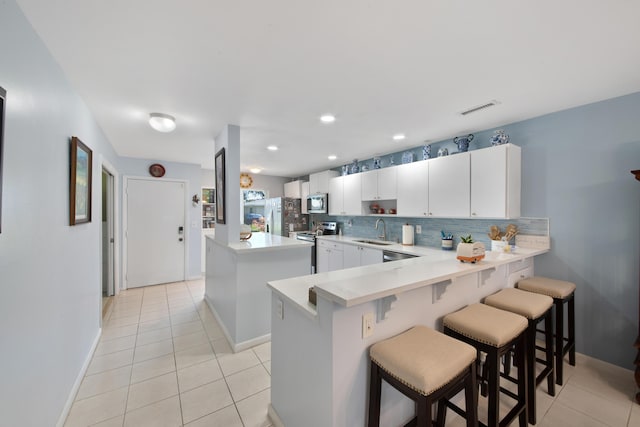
(108, 240)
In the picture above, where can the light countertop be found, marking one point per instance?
(264, 242)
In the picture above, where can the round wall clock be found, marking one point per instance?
(245, 180)
(156, 170)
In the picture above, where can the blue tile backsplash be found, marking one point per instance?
(364, 226)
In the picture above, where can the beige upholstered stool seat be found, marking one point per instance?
(528, 304)
(551, 287)
(486, 324)
(423, 359)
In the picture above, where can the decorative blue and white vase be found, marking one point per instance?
(443, 152)
(463, 142)
(407, 157)
(345, 170)
(499, 138)
(426, 152)
(354, 167)
(376, 163)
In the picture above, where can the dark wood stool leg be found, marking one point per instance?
(531, 371)
(423, 410)
(559, 307)
(521, 360)
(470, 398)
(375, 386)
(572, 331)
(492, 366)
(548, 339)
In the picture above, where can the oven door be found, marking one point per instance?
(311, 239)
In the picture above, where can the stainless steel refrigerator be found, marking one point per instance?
(284, 214)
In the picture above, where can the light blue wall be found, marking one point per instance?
(576, 172)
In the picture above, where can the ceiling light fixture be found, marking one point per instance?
(255, 170)
(162, 122)
(398, 137)
(328, 118)
(272, 148)
(332, 157)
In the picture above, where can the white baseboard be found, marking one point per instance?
(198, 277)
(236, 347)
(76, 384)
(273, 415)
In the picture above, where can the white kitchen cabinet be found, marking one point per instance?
(413, 189)
(293, 189)
(450, 186)
(495, 182)
(319, 182)
(380, 184)
(304, 192)
(357, 256)
(345, 195)
(329, 256)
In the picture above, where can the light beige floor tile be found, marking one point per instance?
(560, 415)
(117, 313)
(165, 413)
(253, 409)
(153, 350)
(114, 345)
(602, 378)
(110, 361)
(634, 419)
(226, 417)
(153, 325)
(122, 321)
(204, 400)
(158, 306)
(187, 328)
(194, 355)
(153, 336)
(97, 408)
(152, 368)
(154, 315)
(111, 422)
(248, 382)
(185, 318)
(267, 366)
(263, 351)
(184, 342)
(221, 347)
(151, 391)
(198, 374)
(214, 332)
(115, 333)
(611, 412)
(232, 363)
(105, 381)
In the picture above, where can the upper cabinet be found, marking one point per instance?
(319, 182)
(345, 195)
(496, 181)
(304, 192)
(293, 189)
(450, 186)
(413, 189)
(380, 184)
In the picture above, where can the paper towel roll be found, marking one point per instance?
(407, 235)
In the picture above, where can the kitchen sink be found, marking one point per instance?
(374, 242)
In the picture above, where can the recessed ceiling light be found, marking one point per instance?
(162, 122)
(327, 118)
(255, 170)
(398, 137)
(272, 148)
(332, 157)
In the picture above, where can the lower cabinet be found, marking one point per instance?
(357, 256)
(332, 256)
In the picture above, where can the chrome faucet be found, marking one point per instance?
(383, 236)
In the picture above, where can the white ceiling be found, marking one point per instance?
(382, 67)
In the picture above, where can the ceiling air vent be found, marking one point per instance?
(479, 107)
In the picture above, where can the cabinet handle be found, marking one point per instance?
(430, 213)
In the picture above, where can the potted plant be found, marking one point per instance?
(468, 250)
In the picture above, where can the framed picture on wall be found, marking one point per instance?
(220, 187)
(3, 97)
(80, 183)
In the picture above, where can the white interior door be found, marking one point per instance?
(155, 232)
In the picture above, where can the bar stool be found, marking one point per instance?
(426, 366)
(495, 332)
(536, 308)
(562, 292)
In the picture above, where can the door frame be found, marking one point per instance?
(104, 164)
(125, 211)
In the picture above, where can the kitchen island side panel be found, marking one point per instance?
(220, 285)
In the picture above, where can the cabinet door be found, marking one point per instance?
(489, 182)
(352, 194)
(336, 192)
(292, 189)
(351, 255)
(322, 256)
(336, 259)
(369, 185)
(314, 182)
(370, 256)
(304, 192)
(450, 186)
(413, 189)
(387, 183)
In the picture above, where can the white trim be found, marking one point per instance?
(116, 225)
(273, 415)
(240, 346)
(78, 381)
(187, 222)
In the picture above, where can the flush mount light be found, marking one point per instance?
(162, 122)
(327, 118)
(272, 148)
(398, 137)
(255, 170)
(332, 157)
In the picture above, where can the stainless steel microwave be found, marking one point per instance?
(317, 203)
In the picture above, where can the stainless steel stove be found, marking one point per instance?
(326, 228)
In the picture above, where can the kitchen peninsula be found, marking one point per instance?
(236, 274)
(319, 360)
